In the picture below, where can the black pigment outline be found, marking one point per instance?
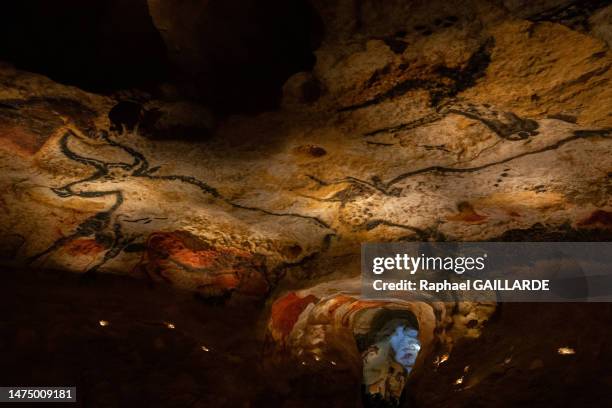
(387, 188)
(99, 223)
(384, 188)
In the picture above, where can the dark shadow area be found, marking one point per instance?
(97, 45)
(239, 53)
(250, 48)
(122, 342)
(125, 342)
(529, 354)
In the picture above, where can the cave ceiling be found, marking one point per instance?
(455, 128)
(244, 150)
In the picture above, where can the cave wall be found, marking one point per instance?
(250, 166)
(462, 128)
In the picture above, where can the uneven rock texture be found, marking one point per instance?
(329, 322)
(445, 120)
(476, 128)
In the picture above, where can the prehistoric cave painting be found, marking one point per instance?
(574, 14)
(108, 227)
(506, 125)
(210, 270)
(397, 42)
(105, 227)
(575, 135)
(286, 312)
(413, 124)
(357, 201)
(27, 124)
(445, 83)
(386, 188)
(360, 195)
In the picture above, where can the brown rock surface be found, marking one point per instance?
(484, 126)
(446, 120)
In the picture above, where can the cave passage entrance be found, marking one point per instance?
(389, 349)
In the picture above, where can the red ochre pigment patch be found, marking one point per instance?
(467, 214)
(19, 140)
(310, 150)
(286, 311)
(338, 301)
(180, 255)
(598, 217)
(84, 246)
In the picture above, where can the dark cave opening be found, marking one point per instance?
(389, 351)
(98, 45)
(232, 56)
(250, 48)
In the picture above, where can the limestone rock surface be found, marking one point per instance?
(457, 123)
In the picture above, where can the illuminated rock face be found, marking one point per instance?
(454, 121)
(94, 203)
(324, 323)
(181, 259)
(329, 324)
(437, 120)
